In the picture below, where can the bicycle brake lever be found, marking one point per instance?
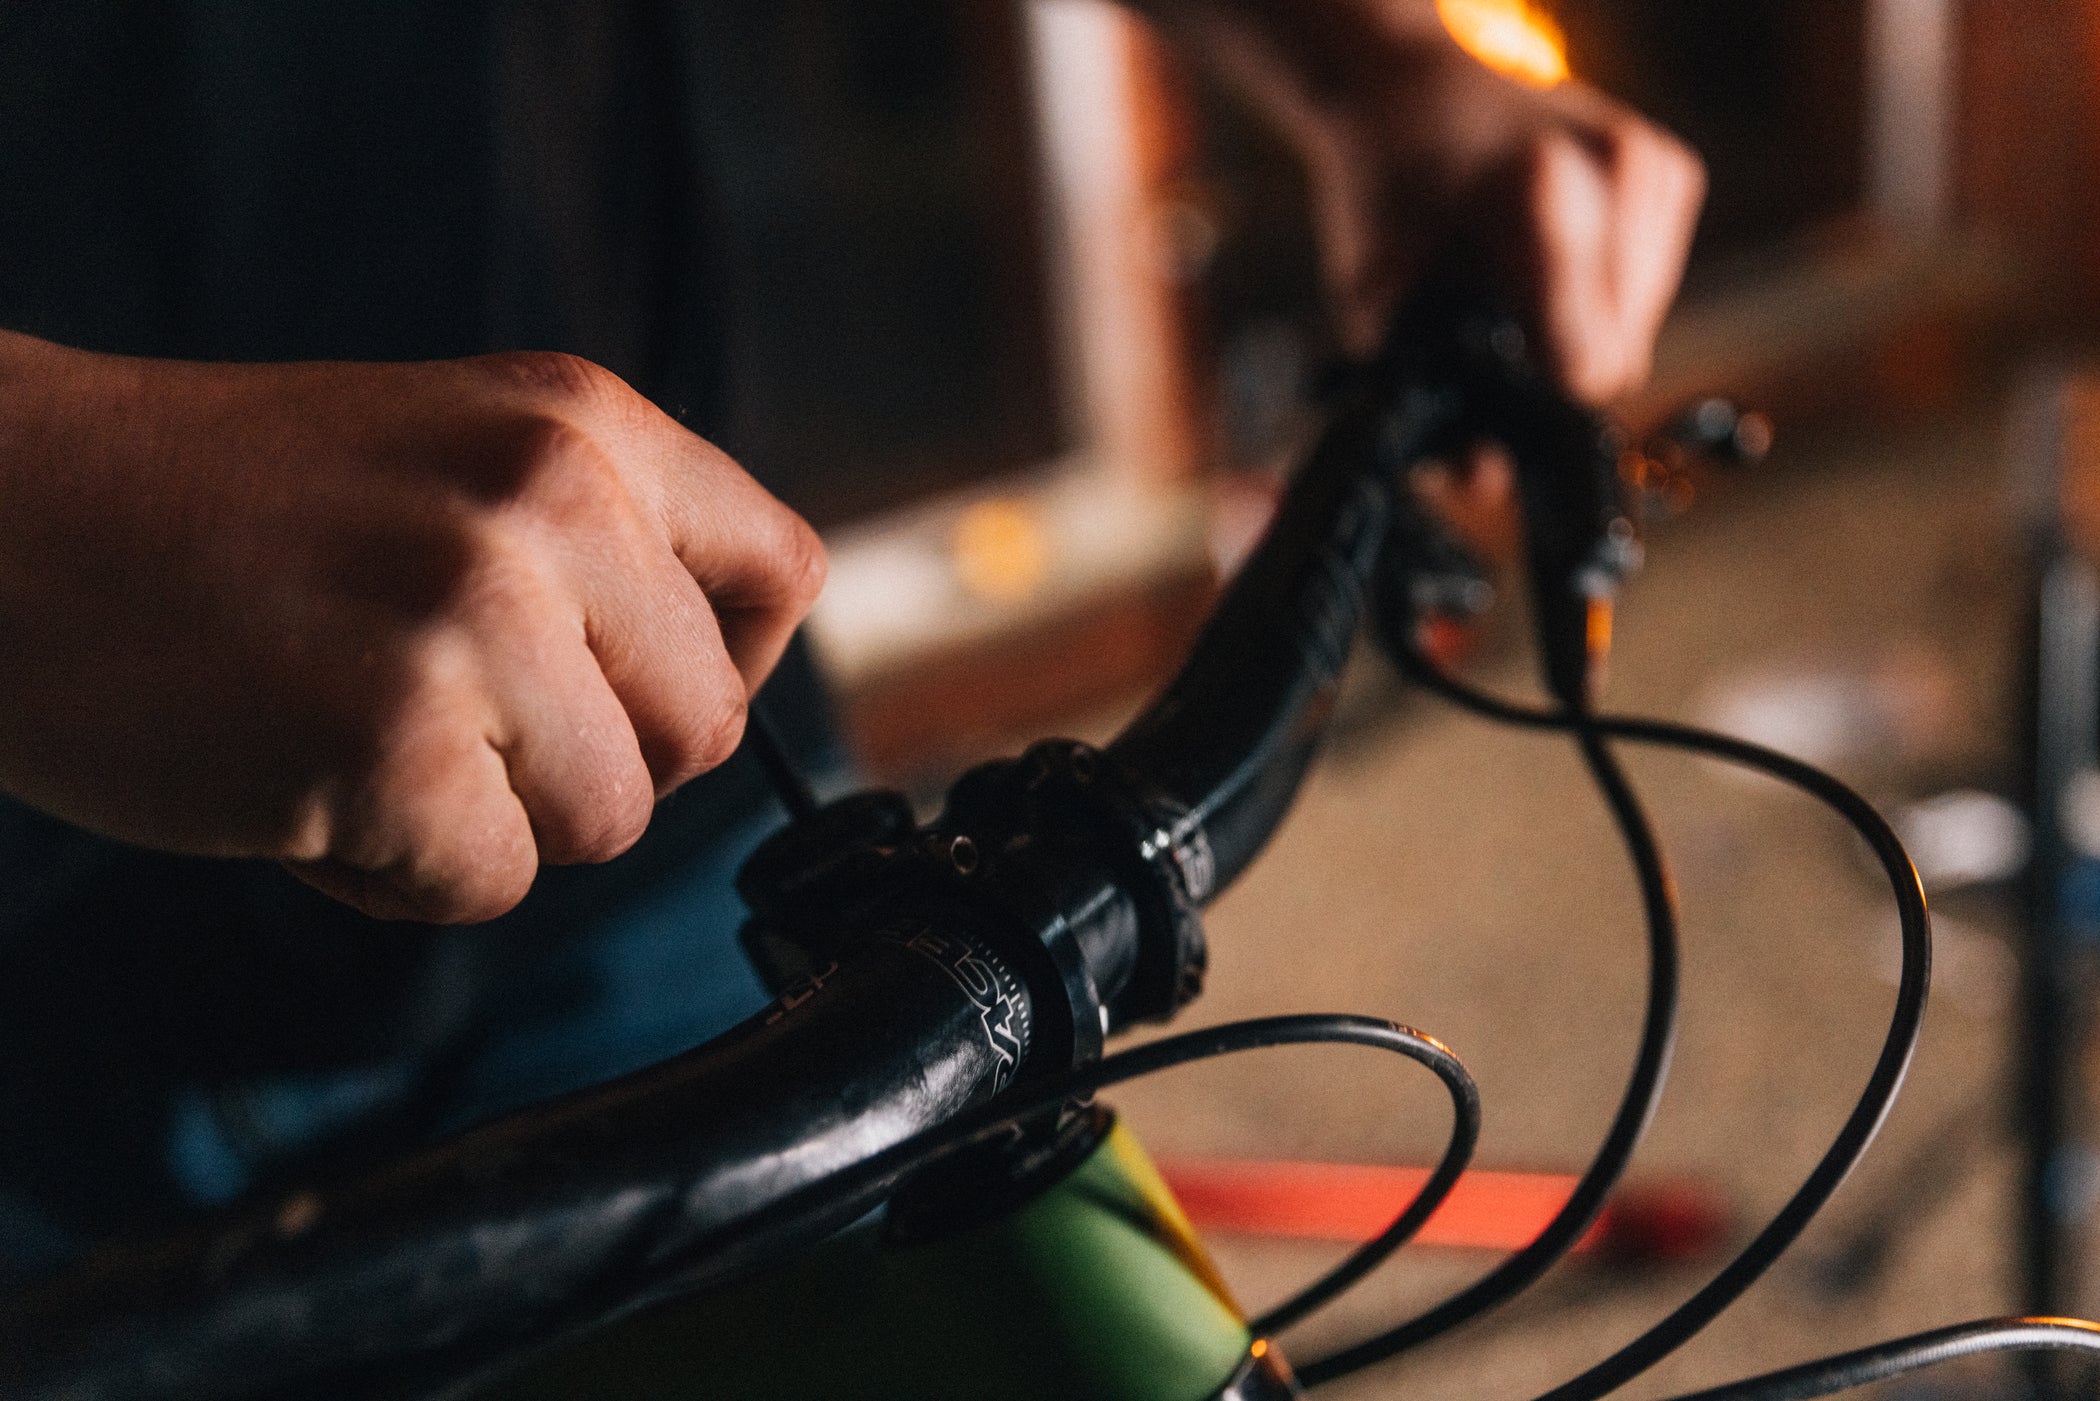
(1579, 539)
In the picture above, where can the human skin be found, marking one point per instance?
(1577, 210)
(416, 630)
(413, 630)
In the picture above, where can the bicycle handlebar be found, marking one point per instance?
(1055, 897)
(1231, 736)
(511, 1234)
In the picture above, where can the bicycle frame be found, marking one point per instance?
(1094, 1286)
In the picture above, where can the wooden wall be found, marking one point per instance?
(2027, 149)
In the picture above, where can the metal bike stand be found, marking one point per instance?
(2059, 753)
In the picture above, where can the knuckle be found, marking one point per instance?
(496, 563)
(684, 752)
(483, 891)
(611, 821)
(420, 693)
(555, 375)
(803, 563)
(471, 860)
(569, 484)
(718, 732)
(504, 588)
(679, 756)
(436, 856)
(560, 463)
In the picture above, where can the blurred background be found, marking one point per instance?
(1038, 380)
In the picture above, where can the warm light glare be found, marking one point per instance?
(1513, 37)
(1000, 551)
(1597, 627)
(1260, 1348)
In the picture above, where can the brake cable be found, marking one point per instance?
(762, 736)
(1636, 1107)
(1882, 1085)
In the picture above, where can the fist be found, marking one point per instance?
(412, 630)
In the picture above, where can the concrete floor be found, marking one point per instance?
(1463, 879)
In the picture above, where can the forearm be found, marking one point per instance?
(32, 373)
(40, 386)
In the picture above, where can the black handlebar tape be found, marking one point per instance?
(1230, 738)
(541, 1222)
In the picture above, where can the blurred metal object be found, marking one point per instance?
(2055, 469)
(1721, 431)
(1664, 474)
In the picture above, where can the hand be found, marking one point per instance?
(410, 629)
(1575, 207)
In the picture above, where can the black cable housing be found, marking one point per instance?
(1630, 1121)
(1890, 1066)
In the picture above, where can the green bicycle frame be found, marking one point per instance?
(1095, 1289)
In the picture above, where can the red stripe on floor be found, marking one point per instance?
(1353, 1202)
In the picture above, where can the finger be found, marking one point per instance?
(758, 563)
(1654, 185)
(433, 834)
(1570, 219)
(569, 749)
(1348, 248)
(659, 648)
(1659, 199)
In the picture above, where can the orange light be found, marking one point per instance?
(1000, 551)
(1514, 37)
(1597, 628)
(1260, 1348)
